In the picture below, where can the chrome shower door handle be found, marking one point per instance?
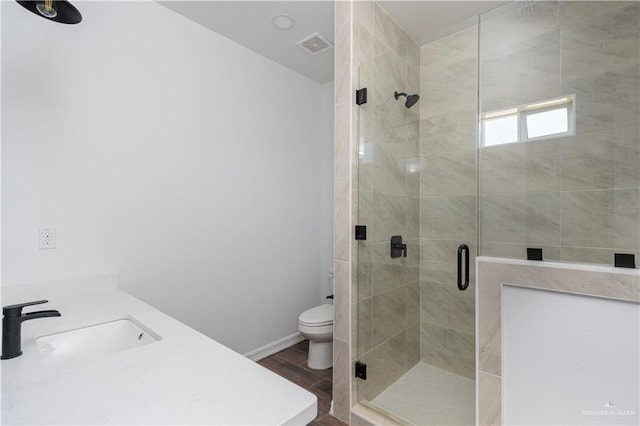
(463, 248)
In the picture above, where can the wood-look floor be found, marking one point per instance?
(291, 364)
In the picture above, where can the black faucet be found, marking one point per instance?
(12, 324)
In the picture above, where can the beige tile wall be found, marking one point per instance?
(577, 197)
(342, 210)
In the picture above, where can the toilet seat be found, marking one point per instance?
(320, 316)
(320, 334)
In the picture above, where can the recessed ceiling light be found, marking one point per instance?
(283, 22)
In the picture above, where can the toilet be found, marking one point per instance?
(316, 324)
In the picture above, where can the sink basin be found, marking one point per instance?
(95, 341)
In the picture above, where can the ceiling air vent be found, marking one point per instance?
(315, 44)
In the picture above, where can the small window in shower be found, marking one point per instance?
(541, 120)
(501, 129)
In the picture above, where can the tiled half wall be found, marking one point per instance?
(493, 273)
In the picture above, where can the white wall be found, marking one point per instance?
(326, 189)
(165, 152)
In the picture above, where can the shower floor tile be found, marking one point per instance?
(427, 395)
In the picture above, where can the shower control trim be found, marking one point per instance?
(398, 248)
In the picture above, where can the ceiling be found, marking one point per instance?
(249, 24)
(425, 21)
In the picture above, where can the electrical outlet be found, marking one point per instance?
(47, 238)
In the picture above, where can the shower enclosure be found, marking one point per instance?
(525, 135)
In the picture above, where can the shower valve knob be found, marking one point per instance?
(398, 248)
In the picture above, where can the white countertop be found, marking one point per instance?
(185, 378)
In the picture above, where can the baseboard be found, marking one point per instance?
(274, 347)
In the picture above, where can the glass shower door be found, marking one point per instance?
(417, 181)
(389, 205)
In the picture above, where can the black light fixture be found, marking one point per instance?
(58, 11)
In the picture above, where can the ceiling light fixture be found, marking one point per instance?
(283, 22)
(57, 11)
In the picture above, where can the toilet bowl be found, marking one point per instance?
(316, 324)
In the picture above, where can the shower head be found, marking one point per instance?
(411, 99)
